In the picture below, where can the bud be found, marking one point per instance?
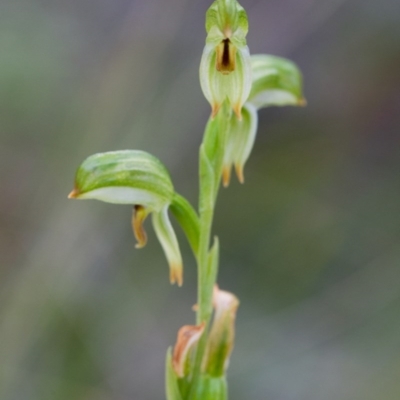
(188, 337)
(222, 334)
(225, 68)
(137, 178)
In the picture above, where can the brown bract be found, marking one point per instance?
(187, 338)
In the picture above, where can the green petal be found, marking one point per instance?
(212, 17)
(276, 82)
(238, 83)
(209, 79)
(229, 14)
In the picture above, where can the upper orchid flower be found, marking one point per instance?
(225, 69)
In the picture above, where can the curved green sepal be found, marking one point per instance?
(171, 380)
(209, 388)
(124, 177)
(188, 220)
(166, 235)
(276, 82)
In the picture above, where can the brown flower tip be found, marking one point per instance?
(224, 301)
(214, 110)
(74, 194)
(187, 338)
(176, 274)
(237, 109)
(226, 175)
(139, 214)
(302, 102)
(239, 172)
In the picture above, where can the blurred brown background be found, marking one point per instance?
(310, 244)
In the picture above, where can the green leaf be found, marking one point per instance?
(171, 379)
(207, 180)
(212, 271)
(124, 177)
(188, 220)
(276, 82)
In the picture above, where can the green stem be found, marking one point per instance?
(211, 162)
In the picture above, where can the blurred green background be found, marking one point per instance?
(310, 244)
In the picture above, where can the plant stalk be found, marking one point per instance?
(208, 271)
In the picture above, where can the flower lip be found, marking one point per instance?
(226, 57)
(139, 214)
